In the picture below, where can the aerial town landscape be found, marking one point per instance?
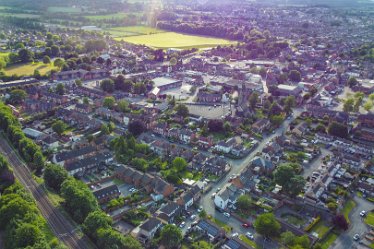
(202, 124)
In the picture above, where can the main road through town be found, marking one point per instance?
(237, 166)
(62, 228)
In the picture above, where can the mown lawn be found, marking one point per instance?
(56, 9)
(243, 238)
(320, 228)
(133, 30)
(28, 69)
(370, 219)
(327, 242)
(222, 224)
(349, 205)
(175, 40)
(110, 16)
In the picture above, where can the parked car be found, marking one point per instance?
(182, 224)
(249, 235)
(193, 216)
(227, 215)
(246, 225)
(363, 213)
(214, 195)
(356, 237)
(235, 235)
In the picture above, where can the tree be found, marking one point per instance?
(288, 238)
(368, 105)
(86, 101)
(25, 55)
(173, 61)
(59, 127)
(109, 102)
(123, 106)
(285, 175)
(201, 244)
(54, 176)
(289, 103)
(253, 99)
(105, 129)
(182, 110)
(111, 239)
(203, 214)
(179, 164)
(139, 88)
(107, 85)
(332, 206)
(340, 221)
(136, 127)
(17, 96)
(95, 45)
(94, 221)
(26, 235)
(46, 60)
(38, 161)
(352, 81)
(275, 109)
(171, 236)
(267, 225)
(79, 200)
(294, 76)
(58, 62)
(140, 163)
(215, 125)
(348, 105)
(55, 50)
(37, 74)
(276, 120)
(244, 203)
(60, 89)
(338, 129)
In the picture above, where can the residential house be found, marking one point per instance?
(106, 194)
(186, 200)
(169, 212)
(227, 196)
(261, 125)
(262, 165)
(209, 229)
(148, 229)
(236, 243)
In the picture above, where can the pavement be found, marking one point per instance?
(345, 240)
(237, 166)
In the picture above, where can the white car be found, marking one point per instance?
(249, 235)
(362, 213)
(235, 235)
(182, 224)
(193, 216)
(227, 215)
(356, 237)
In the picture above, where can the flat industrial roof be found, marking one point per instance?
(162, 81)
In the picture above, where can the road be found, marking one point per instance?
(62, 228)
(345, 240)
(237, 166)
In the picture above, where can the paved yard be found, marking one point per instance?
(209, 112)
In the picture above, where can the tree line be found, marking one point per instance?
(20, 219)
(28, 150)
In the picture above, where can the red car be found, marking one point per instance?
(246, 225)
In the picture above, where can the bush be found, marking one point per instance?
(311, 225)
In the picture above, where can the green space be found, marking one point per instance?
(370, 219)
(293, 219)
(109, 16)
(56, 9)
(349, 205)
(175, 40)
(19, 15)
(132, 31)
(4, 54)
(320, 228)
(28, 69)
(249, 242)
(327, 242)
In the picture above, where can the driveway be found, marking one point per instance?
(358, 226)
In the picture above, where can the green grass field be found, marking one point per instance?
(132, 31)
(349, 205)
(19, 15)
(4, 54)
(109, 16)
(320, 228)
(327, 242)
(57, 9)
(249, 242)
(28, 69)
(370, 219)
(175, 40)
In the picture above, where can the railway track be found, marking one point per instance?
(63, 229)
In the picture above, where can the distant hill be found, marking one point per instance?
(44, 4)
